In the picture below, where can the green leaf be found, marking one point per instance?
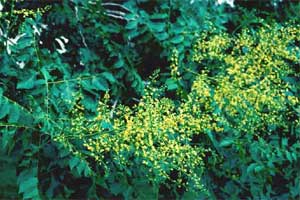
(289, 156)
(80, 167)
(87, 171)
(99, 84)
(157, 26)
(28, 185)
(106, 125)
(109, 77)
(134, 84)
(131, 24)
(7, 138)
(14, 114)
(119, 63)
(32, 194)
(88, 86)
(259, 168)
(87, 56)
(226, 142)
(133, 33)
(284, 141)
(73, 162)
(177, 39)
(251, 167)
(45, 73)
(159, 16)
(89, 103)
(171, 84)
(27, 83)
(4, 108)
(130, 16)
(66, 90)
(177, 29)
(162, 36)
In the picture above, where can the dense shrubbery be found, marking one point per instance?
(239, 126)
(150, 99)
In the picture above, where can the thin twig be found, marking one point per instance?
(135, 99)
(17, 126)
(115, 16)
(115, 4)
(74, 79)
(17, 104)
(113, 108)
(116, 12)
(80, 32)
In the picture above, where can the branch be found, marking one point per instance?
(115, 4)
(115, 16)
(113, 108)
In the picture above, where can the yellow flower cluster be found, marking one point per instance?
(174, 65)
(211, 46)
(158, 136)
(251, 94)
(151, 135)
(30, 12)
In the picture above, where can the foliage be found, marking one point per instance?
(219, 120)
(171, 25)
(250, 89)
(138, 150)
(238, 128)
